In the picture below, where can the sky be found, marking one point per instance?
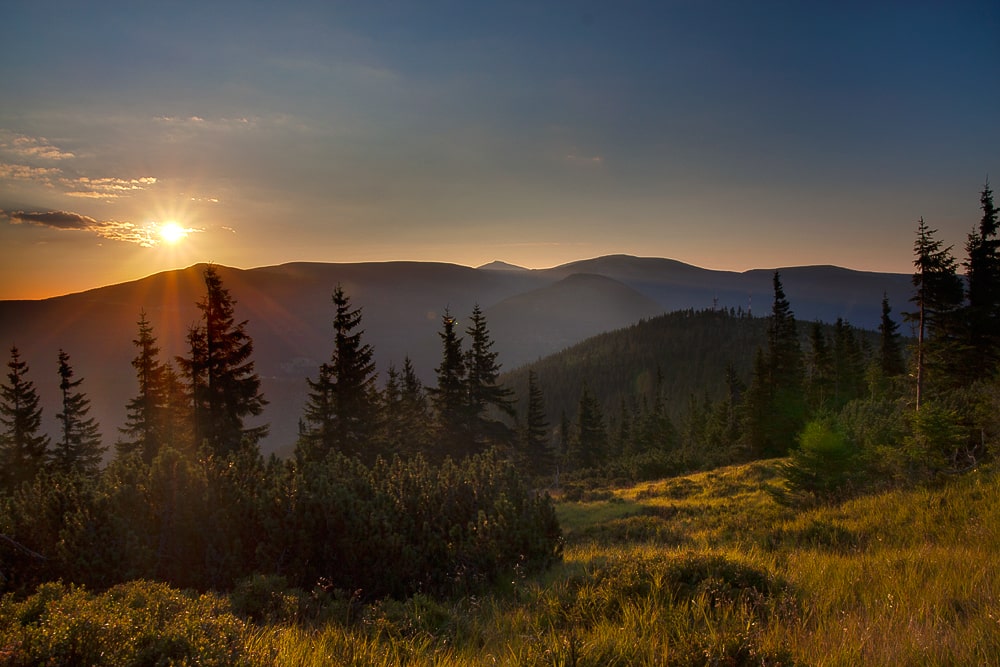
(137, 137)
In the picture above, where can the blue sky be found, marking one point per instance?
(730, 135)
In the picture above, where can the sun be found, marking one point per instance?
(172, 233)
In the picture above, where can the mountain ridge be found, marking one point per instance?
(531, 313)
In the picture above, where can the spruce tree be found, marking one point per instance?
(146, 419)
(821, 370)
(938, 297)
(223, 388)
(591, 443)
(890, 355)
(79, 448)
(416, 414)
(342, 407)
(775, 405)
(982, 314)
(24, 451)
(535, 437)
(449, 396)
(849, 365)
(484, 393)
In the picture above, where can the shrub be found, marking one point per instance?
(139, 623)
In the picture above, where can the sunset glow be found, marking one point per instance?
(727, 135)
(172, 233)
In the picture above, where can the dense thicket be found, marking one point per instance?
(188, 499)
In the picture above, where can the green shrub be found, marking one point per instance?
(823, 467)
(139, 623)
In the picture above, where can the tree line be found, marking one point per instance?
(390, 491)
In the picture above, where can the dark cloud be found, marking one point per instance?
(114, 230)
(57, 219)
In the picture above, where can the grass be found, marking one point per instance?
(696, 570)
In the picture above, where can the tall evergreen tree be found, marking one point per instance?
(938, 297)
(890, 355)
(849, 364)
(24, 451)
(224, 390)
(982, 314)
(449, 397)
(79, 448)
(775, 404)
(536, 448)
(591, 443)
(342, 408)
(484, 392)
(146, 419)
(415, 409)
(819, 383)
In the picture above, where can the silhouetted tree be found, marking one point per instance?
(484, 393)
(982, 314)
(535, 444)
(147, 419)
(223, 387)
(849, 364)
(591, 443)
(775, 405)
(939, 294)
(342, 407)
(449, 397)
(890, 359)
(24, 451)
(79, 448)
(819, 382)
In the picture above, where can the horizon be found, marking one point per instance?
(194, 264)
(137, 138)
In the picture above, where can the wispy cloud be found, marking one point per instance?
(23, 172)
(585, 160)
(114, 230)
(31, 147)
(106, 188)
(31, 158)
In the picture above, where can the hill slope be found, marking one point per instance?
(531, 314)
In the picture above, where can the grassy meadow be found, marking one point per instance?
(704, 569)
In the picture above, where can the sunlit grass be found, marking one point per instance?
(703, 569)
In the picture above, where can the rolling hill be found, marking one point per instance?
(531, 314)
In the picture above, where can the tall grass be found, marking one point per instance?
(703, 569)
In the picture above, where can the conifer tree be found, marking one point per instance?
(775, 406)
(938, 297)
(415, 410)
(821, 371)
(483, 389)
(223, 388)
(982, 314)
(849, 364)
(79, 448)
(449, 397)
(24, 451)
(535, 438)
(890, 356)
(591, 443)
(342, 408)
(146, 419)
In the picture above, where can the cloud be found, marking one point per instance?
(38, 149)
(114, 230)
(106, 188)
(23, 172)
(32, 147)
(57, 219)
(592, 160)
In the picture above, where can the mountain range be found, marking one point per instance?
(531, 313)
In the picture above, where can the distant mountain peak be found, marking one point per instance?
(497, 265)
